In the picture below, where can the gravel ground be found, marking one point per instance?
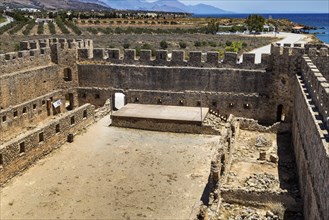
(114, 173)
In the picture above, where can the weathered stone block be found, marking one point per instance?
(145, 55)
(249, 58)
(230, 58)
(161, 55)
(324, 52)
(24, 45)
(83, 54)
(130, 55)
(195, 57)
(212, 58)
(177, 56)
(312, 52)
(114, 54)
(99, 53)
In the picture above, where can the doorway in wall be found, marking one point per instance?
(69, 101)
(279, 113)
(118, 100)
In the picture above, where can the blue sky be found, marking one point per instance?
(265, 6)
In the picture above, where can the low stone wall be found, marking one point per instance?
(220, 165)
(19, 153)
(253, 125)
(166, 126)
(22, 117)
(260, 197)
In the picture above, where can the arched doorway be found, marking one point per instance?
(279, 113)
(118, 100)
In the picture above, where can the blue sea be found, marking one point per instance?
(320, 21)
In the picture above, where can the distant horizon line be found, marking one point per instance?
(230, 13)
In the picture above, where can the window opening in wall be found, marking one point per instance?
(181, 102)
(34, 106)
(24, 110)
(22, 148)
(43, 102)
(84, 95)
(67, 74)
(222, 160)
(69, 101)
(214, 104)
(119, 100)
(72, 120)
(41, 138)
(4, 118)
(58, 128)
(246, 106)
(280, 116)
(85, 114)
(231, 105)
(1, 159)
(136, 99)
(97, 96)
(198, 103)
(15, 114)
(159, 101)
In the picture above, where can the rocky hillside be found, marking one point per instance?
(55, 4)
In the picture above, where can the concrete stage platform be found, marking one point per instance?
(183, 114)
(160, 117)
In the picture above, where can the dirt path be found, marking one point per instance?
(287, 38)
(114, 173)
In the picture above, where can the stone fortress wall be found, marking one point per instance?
(285, 86)
(31, 81)
(310, 134)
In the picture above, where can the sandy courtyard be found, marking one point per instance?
(114, 173)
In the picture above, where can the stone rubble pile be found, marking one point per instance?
(215, 122)
(248, 213)
(262, 141)
(261, 181)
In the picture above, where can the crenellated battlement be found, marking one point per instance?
(318, 87)
(38, 53)
(64, 43)
(15, 61)
(175, 58)
(278, 49)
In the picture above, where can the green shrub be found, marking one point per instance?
(17, 28)
(228, 43)
(164, 44)
(7, 27)
(182, 45)
(126, 45)
(197, 44)
(74, 28)
(61, 25)
(40, 28)
(212, 44)
(51, 27)
(29, 27)
(92, 30)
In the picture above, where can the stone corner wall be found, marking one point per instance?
(22, 151)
